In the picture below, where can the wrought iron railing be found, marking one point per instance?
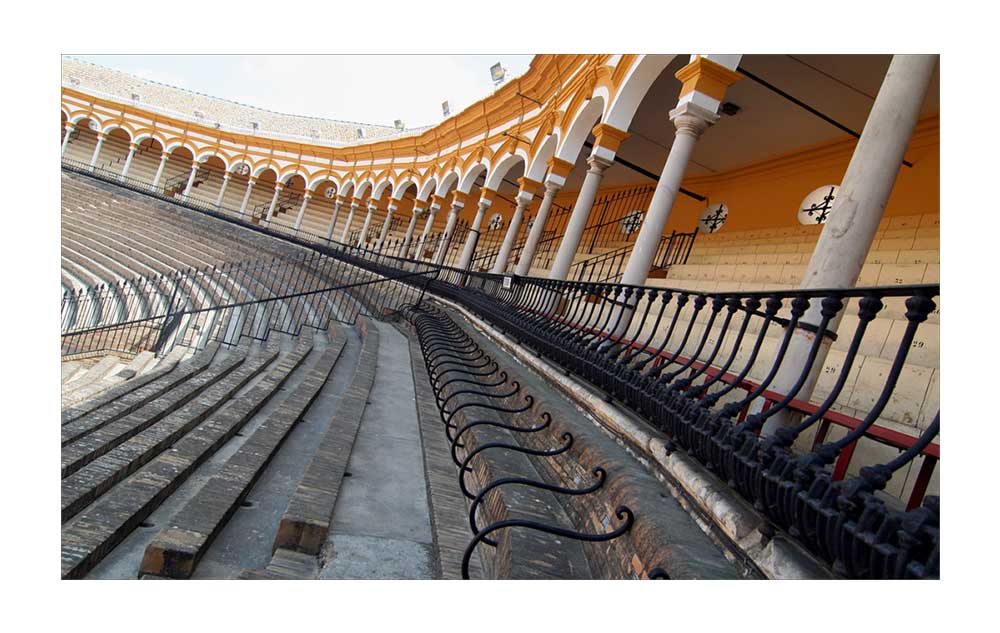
(231, 303)
(702, 368)
(464, 379)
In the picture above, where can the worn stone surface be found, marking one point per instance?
(98, 529)
(177, 549)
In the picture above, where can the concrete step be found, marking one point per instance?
(68, 370)
(85, 485)
(306, 522)
(119, 374)
(177, 549)
(125, 399)
(97, 442)
(95, 532)
(96, 372)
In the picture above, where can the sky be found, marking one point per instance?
(376, 89)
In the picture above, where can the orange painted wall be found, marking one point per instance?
(767, 194)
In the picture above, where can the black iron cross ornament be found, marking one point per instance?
(718, 217)
(821, 210)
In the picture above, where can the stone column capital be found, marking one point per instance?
(393, 206)
(227, 175)
(598, 164)
(132, 146)
(418, 211)
(553, 187)
(691, 119)
(307, 195)
(278, 186)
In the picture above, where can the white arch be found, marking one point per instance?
(580, 128)
(399, 189)
(427, 189)
(297, 172)
(262, 168)
(540, 163)
(316, 180)
(466, 182)
(496, 175)
(347, 189)
(202, 157)
(87, 115)
(379, 188)
(447, 182)
(362, 188)
(637, 82)
(115, 125)
(149, 135)
(177, 144)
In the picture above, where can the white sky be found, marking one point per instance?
(364, 88)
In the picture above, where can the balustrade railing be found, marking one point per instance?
(704, 369)
(464, 379)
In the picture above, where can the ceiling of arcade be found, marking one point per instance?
(843, 87)
(767, 125)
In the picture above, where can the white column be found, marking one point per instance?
(405, 251)
(302, 210)
(246, 195)
(449, 227)
(431, 212)
(523, 200)
(69, 130)
(128, 160)
(385, 225)
(350, 220)
(578, 219)
(97, 149)
(535, 234)
(333, 219)
(473, 238)
(691, 121)
(368, 222)
(222, 190)
(190, 181)
(159, 170)
(847, 236)
(274, 201)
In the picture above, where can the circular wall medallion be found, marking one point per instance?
(496, 221)
(242, 169)
(816, 207)
(329, 192)
(631, 222)
(93, 125)
(713, 217)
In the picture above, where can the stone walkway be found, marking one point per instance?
(381, 523)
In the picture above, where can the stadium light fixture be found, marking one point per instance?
(498, 73)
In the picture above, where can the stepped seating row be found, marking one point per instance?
(173, 431)
(168, 241)
(174, 422)
(81, 385)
